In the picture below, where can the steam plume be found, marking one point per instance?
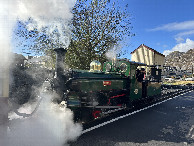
(51, 125)
(50, 122)
(112, 53)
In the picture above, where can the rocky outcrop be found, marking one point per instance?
(180, 60)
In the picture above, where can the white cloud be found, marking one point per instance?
(165, 46)
(179, 36)
(166, 52)
(185, 25)
(185, 28)
(185, 33)
(179, 39)
(181, 47)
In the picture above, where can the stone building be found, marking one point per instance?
(147, 55)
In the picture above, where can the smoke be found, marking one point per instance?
(112, 53)
(54, 15)
(6, 24)
(51, 125)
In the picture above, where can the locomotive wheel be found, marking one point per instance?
(96, 114)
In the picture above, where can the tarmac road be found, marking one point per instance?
(168, 124)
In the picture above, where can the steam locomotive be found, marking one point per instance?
(115, 85)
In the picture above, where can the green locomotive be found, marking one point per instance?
(117, 84)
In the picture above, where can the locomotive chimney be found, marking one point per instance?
(59, 67)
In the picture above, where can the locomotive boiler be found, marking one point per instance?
(116, 84)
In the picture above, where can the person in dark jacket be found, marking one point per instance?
(140, 74)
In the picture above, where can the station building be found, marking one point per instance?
(149, 56)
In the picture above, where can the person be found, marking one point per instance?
(141, 75)
(137, 73)
(143, 72)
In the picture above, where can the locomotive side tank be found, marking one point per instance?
(116, 84)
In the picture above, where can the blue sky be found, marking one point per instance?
(162, 24)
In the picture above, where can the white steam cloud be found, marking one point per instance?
(181, 47)
(7, 21)
(51, 125)
(112, 53)
(53, 14)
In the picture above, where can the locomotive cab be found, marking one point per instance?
(144, 85)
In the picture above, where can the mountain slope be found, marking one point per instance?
(180, 60)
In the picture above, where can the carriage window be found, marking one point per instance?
(108, 67)
(123, 67)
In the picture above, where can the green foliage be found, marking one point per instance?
(96, 27)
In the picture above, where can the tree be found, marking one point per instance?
(41, 41)
(96, 27)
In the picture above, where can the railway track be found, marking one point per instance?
(168, 92)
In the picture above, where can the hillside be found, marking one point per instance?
(180, 60)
